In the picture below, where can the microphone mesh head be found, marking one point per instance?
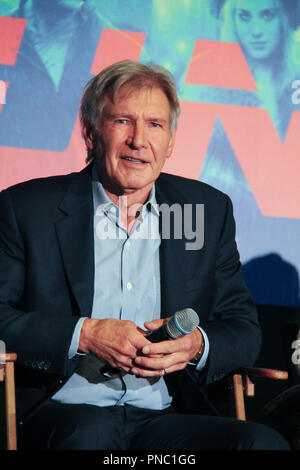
(182, 323)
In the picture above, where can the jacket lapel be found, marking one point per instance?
(76, 239)
(173, 259)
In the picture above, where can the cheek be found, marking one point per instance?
(275, 32)
(160, 152)
(242, 32)
(113, 143)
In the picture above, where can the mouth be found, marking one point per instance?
(134, 160)
(259, 44)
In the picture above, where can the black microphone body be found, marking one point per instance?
(161, 334)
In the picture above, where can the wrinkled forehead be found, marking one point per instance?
(136, 87)
(143, 92)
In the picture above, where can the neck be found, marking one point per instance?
(48, 17)
(260, 70)
(128, 200)
(263, 68)
(130, 203)
(132, 197)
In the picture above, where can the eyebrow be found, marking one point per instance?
(130, 116)
(266, 10)
(242, 10)
(159, 120)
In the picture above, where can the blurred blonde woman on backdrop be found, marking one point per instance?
(266, 32)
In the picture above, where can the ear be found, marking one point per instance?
(171, 144)
(89, 143)
(88, 140)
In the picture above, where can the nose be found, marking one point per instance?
(257, 29)
(137, 138)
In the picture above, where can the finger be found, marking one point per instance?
(143, 332)
(129, 346)
(158, 373)
(154, 324)
(162, 347)
(160, 363)
(120, 364)
(147, 372)
(183, 344)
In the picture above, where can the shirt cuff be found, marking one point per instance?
(202, 361)
(73, 350)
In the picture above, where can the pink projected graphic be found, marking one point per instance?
(11, 33)
(265, 166)
(219, 64)
(240, 113)
(115, 46)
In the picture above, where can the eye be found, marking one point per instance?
(121, 121)
(155, 124)
(245, 15)
(268, 15)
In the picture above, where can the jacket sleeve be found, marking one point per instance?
(40, 338)
(232, 325)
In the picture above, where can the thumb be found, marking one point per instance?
(154, 324)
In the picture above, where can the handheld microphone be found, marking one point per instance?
(182, 323)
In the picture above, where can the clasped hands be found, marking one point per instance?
(124, 345)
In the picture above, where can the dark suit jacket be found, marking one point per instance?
(47, 272)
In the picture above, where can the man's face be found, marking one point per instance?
(135, 139)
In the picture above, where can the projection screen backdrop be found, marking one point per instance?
(237, 67)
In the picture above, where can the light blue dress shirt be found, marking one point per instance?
(126, 287)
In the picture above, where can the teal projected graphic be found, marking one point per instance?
(237, 67)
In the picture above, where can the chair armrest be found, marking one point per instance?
(8, 357)
(263, 372)
(243, 384)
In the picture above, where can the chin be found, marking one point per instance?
(133, 184)
(262, 54)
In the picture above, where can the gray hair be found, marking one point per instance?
(111, 79)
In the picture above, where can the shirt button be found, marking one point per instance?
(113, 210)
(129, 285)
(128, 244)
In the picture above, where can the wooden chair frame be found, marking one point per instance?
(243, 386)
(7, 377)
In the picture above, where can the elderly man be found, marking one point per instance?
(83, 281)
